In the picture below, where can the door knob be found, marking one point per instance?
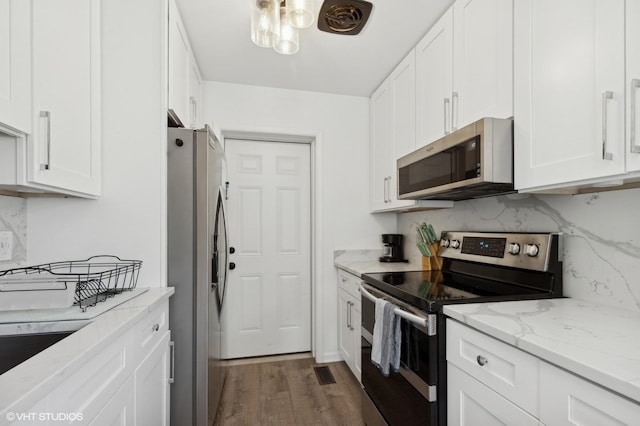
(232, 250)
(232, 266)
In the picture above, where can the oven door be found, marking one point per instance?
(407, 397)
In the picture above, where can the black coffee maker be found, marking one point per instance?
(392, 248)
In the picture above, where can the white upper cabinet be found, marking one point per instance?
(569, 91)
(179, 67)
(402, 83)
(633, 84)
(482, 61)
(64, 146)
(380, 146)
(393, 112)
(464, 68)
(185, 81)
(434, 81)
(195, 95)
(15, 65)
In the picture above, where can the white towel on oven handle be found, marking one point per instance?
(376, 346)
(386, 345)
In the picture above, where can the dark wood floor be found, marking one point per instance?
(288, 393)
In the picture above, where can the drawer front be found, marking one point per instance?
(470, 403)
(507, 370)
(567, 399)
(349, 283)
(150, 330)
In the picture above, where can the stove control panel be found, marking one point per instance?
(518, 250)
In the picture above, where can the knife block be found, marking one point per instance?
(433, 263)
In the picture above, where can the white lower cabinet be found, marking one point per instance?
(349, 321)
(470, 403)
(120, 410)
(490, 382)
(566, 399)
(151, 391)
(125, 383)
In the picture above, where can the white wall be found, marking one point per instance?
(342, 122)
(129, 219)
(601, 236)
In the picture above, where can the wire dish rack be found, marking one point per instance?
(96, 278)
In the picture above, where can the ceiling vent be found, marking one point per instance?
(346, 17)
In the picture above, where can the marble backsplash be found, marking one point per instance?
(601, 236)
(13, 217)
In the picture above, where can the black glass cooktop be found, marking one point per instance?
(429, 290)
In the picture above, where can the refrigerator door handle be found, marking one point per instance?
(214, 270)
(172, 354)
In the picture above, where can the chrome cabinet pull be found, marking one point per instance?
(482, 361)
(605, 96)
(349, 315)
(635, 148)
(194, 111)
(46, 115)
(454, 111)
(387, 190)
(384, 189)
(446, 113)
(172, 372)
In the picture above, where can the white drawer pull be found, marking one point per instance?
(481, 360)
(155, 327)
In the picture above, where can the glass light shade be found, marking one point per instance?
(300, 13)
(289, 42)
(265, 22)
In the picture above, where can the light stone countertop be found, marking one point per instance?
(31, 381)
(597, 342)
(358, 262)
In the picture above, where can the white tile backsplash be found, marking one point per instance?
(601, 236)
(13, 217)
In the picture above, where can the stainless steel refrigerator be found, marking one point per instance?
(197, 268)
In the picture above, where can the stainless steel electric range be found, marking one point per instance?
(477, 267)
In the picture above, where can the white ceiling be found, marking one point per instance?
(341, 64)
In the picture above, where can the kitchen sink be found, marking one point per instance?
(19, 342)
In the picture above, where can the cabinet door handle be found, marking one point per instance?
(349, 315)
(45, 127)
(386, 189)
(172, 354)
(481, 360)
(194, 110)
(606, 95)
(446, 113)
(635, 148)
(454, 111)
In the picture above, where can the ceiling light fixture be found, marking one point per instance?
(275, 23)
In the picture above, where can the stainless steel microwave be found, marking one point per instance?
(471, 162)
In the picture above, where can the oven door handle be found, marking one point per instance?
(428, 322)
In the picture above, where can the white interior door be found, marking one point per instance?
(268, 296)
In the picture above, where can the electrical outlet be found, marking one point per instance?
(6, 245)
